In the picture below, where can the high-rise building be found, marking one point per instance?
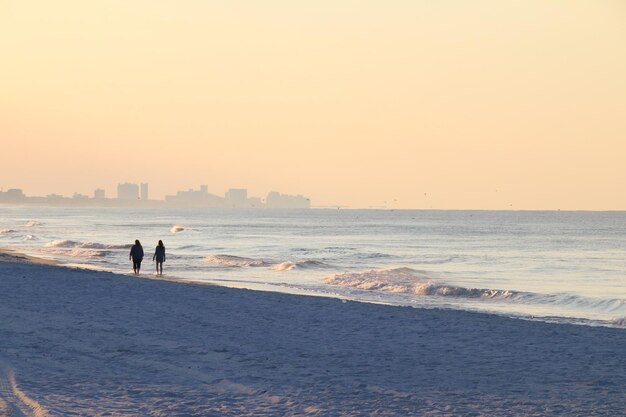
(196, 198)
(237, 197)
(127, 191)
(99, 193)
(278, 200)
(144, 191)
(12, 194)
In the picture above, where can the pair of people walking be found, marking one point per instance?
(136, 255)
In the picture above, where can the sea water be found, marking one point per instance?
(548, 265)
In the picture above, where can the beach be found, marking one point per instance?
(92, 343)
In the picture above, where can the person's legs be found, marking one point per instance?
(138, 266)
(135, 267)
(160, 267)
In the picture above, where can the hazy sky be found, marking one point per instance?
(443, 104)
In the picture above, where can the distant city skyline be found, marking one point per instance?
(133, 194)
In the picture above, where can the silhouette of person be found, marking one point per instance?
(159, 256)
(136, 254)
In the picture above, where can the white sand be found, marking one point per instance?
(97, 344)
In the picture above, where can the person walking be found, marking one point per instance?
(159, 256)
(136, 254)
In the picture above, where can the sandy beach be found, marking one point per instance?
(88, 343)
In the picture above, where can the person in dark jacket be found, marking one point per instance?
(159, 256)
(136, 254)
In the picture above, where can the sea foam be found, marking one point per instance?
(177, 228)
(305, 264)
(234, 261)
(409, 281)
(75, 244)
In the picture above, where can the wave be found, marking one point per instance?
(29, 237)
(74, 244)
(7, 231)
(373, 255)
(177, 228)
(609, 305)
(437, 261)
(187, 247)
(32, 223)
(619, 322)
(410, 281)
(239, 261)
(288, 265)
(87, 253)
(234, 261)
(397, 280)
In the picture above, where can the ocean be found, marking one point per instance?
(555, 266)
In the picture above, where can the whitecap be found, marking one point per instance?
(409, 281)
(66, 243)
(177, 228)
(305, 264)
(231, 260)
(619, 322)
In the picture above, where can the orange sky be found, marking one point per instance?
(444, 104)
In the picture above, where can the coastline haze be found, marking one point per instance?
(413, 105)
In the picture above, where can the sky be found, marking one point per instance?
(449, 104)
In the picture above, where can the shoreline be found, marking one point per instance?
(98, 343)
(11, 255)
(7, 255)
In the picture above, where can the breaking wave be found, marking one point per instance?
(288, 265)
(409, 281)
(234, 261)
(620, 322)
(7, 231)
(74, 244)
(238, 261)
(32, 223)
(86, 253)
(177, 228)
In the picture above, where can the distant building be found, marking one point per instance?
(277, 200)
(127, 191)
(144, 191)
(237, 197)
(99, 193)
(255, 202)
(13, 194)
(78, 196)
(195, 198)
